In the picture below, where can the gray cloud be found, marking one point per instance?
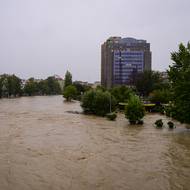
(44, 37)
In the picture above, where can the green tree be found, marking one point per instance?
(68, 79)
(43, 88)
(161, 95)
(147, 81)
(53, 86)
(70, 92)
(14, 85)
(134, 110)
(179, 76)
(10, 85)
(31, 87)
(98, 102)
(81, 88)
(121, 93)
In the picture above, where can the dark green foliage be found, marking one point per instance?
(140, 122)
(43, 88)
(53, 86)
(158, 108)
(147, 81)
(134, 111)
(87, 102)
(68, 79)
(99, 87)
(70, 92)
(170, 125)
(98, 102)
(111, 116)
(121, 93)
(49, 86)
(31, 87)
(159, 123)
(81, 88)
(179, 76)
(161, 96)
(10, 85)
(171, 111)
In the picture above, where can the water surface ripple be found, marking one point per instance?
(43, 147)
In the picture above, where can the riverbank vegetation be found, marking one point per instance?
(179, 76)
(134, 110)
(73, 90)
(13, 86)
(168, 95)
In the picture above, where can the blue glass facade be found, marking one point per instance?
(126, 63)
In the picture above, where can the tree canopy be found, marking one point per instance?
(49, 86)
(121, 93)
(147, 81)
(179, 76)
(134, 110)
(10, 85)
(98, 102)
(70, 92)
(68, 79)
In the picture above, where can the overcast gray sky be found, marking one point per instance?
(45, 37)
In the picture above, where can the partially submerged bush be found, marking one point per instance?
(111, 116)
(140, 122)
(170, 125)
(158, 108)
(70, 92)
(162, 96)
(134, 110)
(159, 123)
(121, 93)
(98, 102)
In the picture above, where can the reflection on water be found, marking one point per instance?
(44, 147)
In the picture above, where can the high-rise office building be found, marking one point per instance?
(121, 58)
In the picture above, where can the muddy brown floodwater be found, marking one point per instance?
(43, 147)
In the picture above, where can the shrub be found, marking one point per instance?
(161, 96)
(171, 111)
(134, 110)
(70, 92)
(159, 123)
(98, 102)
(158, 108)
(140, 122)
(121, 93)
(170, 125)
(111, 116)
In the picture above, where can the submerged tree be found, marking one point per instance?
(134, 110)
(70, 92)
(121, 93)
(98, 102)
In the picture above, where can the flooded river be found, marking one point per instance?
(43, 147)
